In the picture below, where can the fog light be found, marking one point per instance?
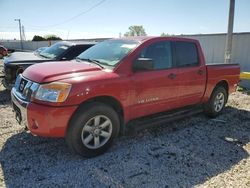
(34, 124)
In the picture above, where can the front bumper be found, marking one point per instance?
(42, 120)
(6, 84)
(20, 108)
(9, 77)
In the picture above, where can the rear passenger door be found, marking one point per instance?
(191, 73)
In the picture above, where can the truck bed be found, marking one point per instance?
(222, 72)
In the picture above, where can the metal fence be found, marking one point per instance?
(213, 46)
(33, 45)
(27, 45)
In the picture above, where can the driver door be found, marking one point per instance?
(156, 90)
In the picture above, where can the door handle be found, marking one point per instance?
(172, 76)
(200, 72)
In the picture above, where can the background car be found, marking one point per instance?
(17, 62)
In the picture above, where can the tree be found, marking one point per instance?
(164, 34)
(52, 37)
(135, 30)
(38, 38)
(46, 37)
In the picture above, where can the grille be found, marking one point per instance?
(22, 85)
(8, 72)
(25, 88)
(6, 69)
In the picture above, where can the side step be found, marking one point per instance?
(160, 118)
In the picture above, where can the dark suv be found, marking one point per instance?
(17, 62)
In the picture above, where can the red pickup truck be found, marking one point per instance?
(91, 99)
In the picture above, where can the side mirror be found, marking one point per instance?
(142, 64)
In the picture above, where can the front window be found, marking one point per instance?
(54, 51)
(160, 53)
(109, 52)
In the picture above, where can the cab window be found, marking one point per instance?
(186, 54)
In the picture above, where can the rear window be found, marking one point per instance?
(73, 52)
(186, 54)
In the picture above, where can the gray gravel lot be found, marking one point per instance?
(192, 152)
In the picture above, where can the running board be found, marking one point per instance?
(160, 118)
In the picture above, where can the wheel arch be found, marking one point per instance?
(209, 105)
(110, 101)
(224, 84)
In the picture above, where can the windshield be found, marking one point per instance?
(54, 51)
(109, 52)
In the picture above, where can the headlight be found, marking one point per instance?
(53, 92)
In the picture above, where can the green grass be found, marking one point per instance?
(243, 90)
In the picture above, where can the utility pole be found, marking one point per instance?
(68, 35)
(20, 30)
(228, 50)
(23, 33)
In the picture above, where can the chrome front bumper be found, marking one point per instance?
(19, 107)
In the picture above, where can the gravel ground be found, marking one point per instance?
(192, 152)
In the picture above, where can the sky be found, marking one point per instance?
(75, 19)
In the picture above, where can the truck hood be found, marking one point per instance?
(18, 57)
(54, 71)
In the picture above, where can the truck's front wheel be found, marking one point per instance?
(92, 129)
(217, 102)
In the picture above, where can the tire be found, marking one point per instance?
(92, 122)
(216, 102)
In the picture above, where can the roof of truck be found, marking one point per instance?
(145, 38)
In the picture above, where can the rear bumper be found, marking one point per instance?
(43, 120)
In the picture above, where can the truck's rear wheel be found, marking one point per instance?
(92, 129)
(217, 102)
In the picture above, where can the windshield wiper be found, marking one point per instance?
(95, 61)
(42, 55)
